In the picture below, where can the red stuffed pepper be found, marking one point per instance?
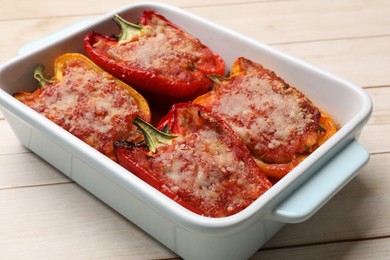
(156, 56)
(196, 160)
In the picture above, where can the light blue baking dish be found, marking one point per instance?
(293, 199)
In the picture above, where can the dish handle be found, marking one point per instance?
(322, 186)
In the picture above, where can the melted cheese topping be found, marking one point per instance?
(266, 112)
(200, 166)
(207, 170)
(163, 50)
(89, 105)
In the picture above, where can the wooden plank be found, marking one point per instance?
(376, 138)
(27, 169)
(276, 22)
(375, 135)
(27, 9)
(360, 249)
(363, 61)
(380, 97)
(9, 144)
(23, 32)
(358, 211)
(66, 222)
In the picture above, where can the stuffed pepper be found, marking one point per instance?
(155, 56)
(88, 102)
(278, 123)
(197, 160)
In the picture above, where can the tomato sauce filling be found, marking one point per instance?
(89, 105)
(164, 50)
(275, 120)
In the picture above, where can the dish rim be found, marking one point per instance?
(151, 196)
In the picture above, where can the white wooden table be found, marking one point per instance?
(44, 215)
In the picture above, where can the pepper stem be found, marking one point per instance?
(39, 76)
(128, 29)
(153, 136)
(216, 78)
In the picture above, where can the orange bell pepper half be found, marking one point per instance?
(277, 122)
(88, 102)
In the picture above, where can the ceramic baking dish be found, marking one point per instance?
(293, 199)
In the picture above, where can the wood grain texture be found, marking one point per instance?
(45, 215)
(64, 221)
